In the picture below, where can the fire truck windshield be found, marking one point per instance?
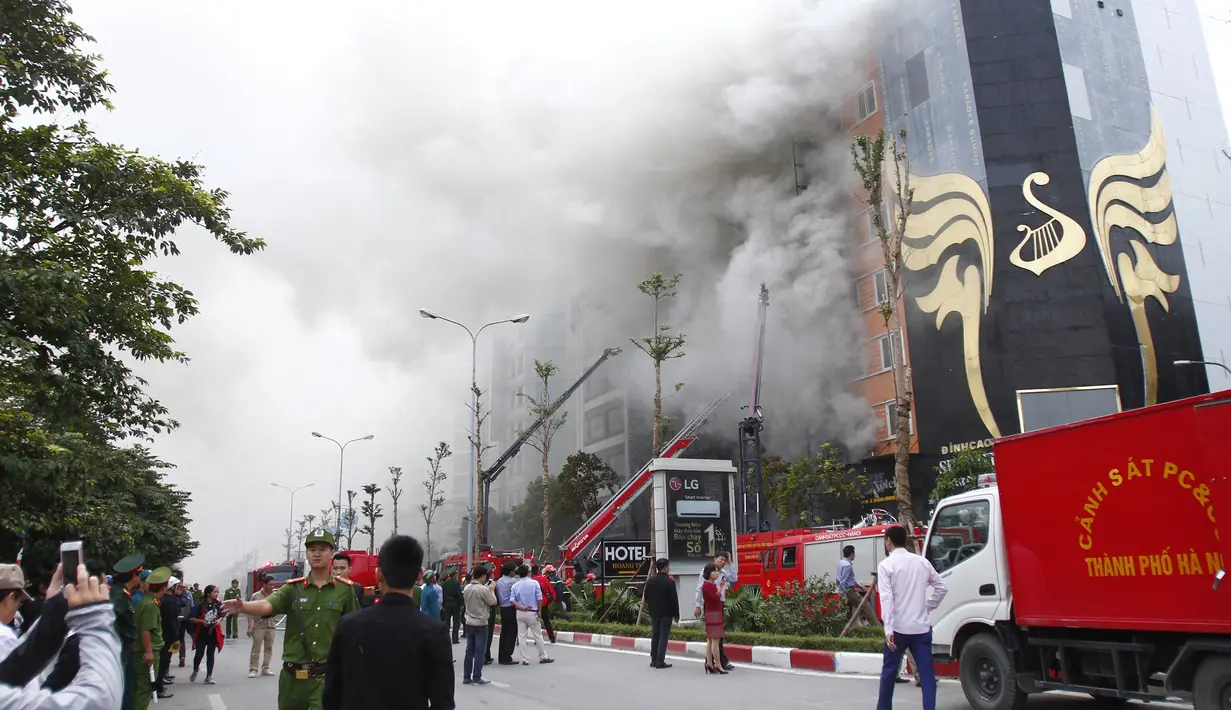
(280, 573)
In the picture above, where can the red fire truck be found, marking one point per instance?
(494, 559)
(280, 572)
(1059, 580)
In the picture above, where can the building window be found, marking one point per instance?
(891, 422)
(1043, 408)
(880, 281)
(888, 345)
(873, 235)
(867, 102)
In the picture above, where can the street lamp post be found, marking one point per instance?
(341, 461)
(475, 458)
(291, 519)
(1203, 362)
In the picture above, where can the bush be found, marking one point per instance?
(860, 643)
(618, 606)
(814, 608)
(744, 611)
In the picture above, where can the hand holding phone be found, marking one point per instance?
(70, 557)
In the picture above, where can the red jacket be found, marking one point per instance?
(549, 592)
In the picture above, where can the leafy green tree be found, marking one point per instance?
(661, 345)
(372, 511)
(350, 521)
(583, 480)
(812, 484)
(961, 473)
(434, 486)
(81, 221)
(541, 442)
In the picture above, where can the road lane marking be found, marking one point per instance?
(215, 702)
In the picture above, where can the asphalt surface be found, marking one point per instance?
(602, 679)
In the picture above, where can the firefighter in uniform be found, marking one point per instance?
(232, 631)
(313, 606)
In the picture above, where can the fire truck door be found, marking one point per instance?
(1213, 424)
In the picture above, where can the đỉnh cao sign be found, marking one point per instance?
(698, 515)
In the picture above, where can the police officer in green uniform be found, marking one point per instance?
(233, 592)
(148, 645)
(126, 578)
(313, 606)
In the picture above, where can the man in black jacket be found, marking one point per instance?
(663, 603)
(372, 649)
(169, 610)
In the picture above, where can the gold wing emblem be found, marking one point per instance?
(1134, 192)
(1059, 239)
(949, 210)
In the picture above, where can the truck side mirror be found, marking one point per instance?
(1218, 578)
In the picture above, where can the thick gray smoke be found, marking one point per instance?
(513, 156)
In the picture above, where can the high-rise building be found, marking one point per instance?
(1064, 249)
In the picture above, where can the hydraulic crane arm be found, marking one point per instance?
(496, 468)
(585, 536)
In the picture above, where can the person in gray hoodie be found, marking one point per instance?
(99, 681)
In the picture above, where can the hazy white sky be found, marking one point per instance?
(347, 136)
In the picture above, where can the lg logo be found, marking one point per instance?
(678, 483)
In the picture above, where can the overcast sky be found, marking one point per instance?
(396, 159)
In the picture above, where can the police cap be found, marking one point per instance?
(130, 564)
(319, 535)
(159, 575)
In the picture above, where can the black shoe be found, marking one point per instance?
(726, 666)
(508, 663)
(181, 663)
(900, 679)
(664, 665)
(163, 695)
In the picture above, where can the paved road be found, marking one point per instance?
(603, 679)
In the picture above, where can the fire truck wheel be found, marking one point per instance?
(987, 674)
(1212, 685)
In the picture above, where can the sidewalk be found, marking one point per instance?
(793, 658)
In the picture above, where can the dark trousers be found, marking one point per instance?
(205, 647)
(183, 644)
(491, 634)
(126, 662)
(472, 664)
(164, 667)
(453, 619)
(508, 633)
(545, 616)
(920, 647)
(722, 652)
(659, 635)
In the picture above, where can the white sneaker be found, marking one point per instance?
(267, 672)
(251, 674)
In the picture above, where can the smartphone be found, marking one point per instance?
(70, 559)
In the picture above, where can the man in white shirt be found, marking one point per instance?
(910, 591)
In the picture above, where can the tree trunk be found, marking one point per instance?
(480, 502)
(658, 409)
(546, 503)
(903, 405)
(428, 534)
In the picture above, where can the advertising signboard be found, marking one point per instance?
(698, 515)
(624, 558)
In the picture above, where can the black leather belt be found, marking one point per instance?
(304, 671)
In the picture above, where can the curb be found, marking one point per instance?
(773, 656)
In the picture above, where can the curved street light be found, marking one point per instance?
(474, 406)
(291, 519)
(341, 460)
(1203, 362)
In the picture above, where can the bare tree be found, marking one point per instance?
(661, 346)
(870, 156)
(305, 524)
(434, 484)
(372, 511)
(350, 521)
(476, 440)
(541, 441)
(395, 492)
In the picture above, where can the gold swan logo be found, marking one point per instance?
(1134, 192)
(1059, 239)
(950, 210)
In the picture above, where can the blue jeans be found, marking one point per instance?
(920, 646)
(476, 644)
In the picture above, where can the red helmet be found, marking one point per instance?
(589, 577)
(549, 569)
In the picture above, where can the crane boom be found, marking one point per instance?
(750, 472)
(493, 472)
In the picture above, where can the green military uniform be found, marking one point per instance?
(148, 619)
(232, 592)
(312, 615)
(125, 624)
